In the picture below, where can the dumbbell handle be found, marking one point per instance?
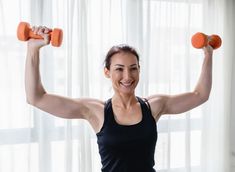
(35, 36)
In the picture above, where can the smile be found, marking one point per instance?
(127, 84)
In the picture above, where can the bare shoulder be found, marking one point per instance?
(94, 106)
(156, 103)
(95, 113)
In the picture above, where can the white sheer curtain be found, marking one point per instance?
(196, 141)
(229, 75)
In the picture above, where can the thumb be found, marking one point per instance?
(46, 38)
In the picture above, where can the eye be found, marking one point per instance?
(119, 69)
(134, 68)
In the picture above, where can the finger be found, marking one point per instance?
(38, 30)
(46, 30)
(46, 38)
(35, 30)
(41, 30)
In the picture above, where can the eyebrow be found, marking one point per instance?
(120, 65)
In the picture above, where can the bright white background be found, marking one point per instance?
(200, 140)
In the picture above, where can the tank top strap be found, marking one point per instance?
(107, 108)
(107, 104)
(144, 102)
(147, 113)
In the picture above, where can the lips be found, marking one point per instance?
(126, 84)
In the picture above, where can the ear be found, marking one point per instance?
(106, 73)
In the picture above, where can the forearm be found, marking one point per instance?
(204, 84)
(33, 86)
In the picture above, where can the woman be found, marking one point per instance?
(125, 124)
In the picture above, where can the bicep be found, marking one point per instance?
(64, 107)
(175, 104)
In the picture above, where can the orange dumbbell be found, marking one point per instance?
(200, 40)
(24, 33)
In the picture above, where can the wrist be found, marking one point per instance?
(33, 51)
(208, 55)
(208, 51)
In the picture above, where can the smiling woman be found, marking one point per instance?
(124, 112)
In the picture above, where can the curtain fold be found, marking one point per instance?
(200, 140)
(229, 62)
(216, 111)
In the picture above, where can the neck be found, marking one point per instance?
(124, 101)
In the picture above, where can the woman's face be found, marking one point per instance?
(124, 72)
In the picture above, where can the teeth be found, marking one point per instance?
(126, 84)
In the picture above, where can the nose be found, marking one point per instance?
(126, 75)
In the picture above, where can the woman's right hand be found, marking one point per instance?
(44, 32)
(208, 50)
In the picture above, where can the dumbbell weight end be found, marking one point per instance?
(199, 40)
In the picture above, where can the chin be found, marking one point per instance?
(127, 91)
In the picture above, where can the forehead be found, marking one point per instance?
(124, 59)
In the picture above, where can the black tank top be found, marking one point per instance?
(127, 148)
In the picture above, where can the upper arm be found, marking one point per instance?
(65, 107)
(175, 104)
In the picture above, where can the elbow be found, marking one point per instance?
(31, 101)
(205, 99)
(28, 101)
(202, 97)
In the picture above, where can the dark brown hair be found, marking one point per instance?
(118, 49)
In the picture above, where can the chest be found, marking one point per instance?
(117, 135)
(130, 116)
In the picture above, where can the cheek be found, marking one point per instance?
(115, 76)
(137, 78)
(136, 74)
